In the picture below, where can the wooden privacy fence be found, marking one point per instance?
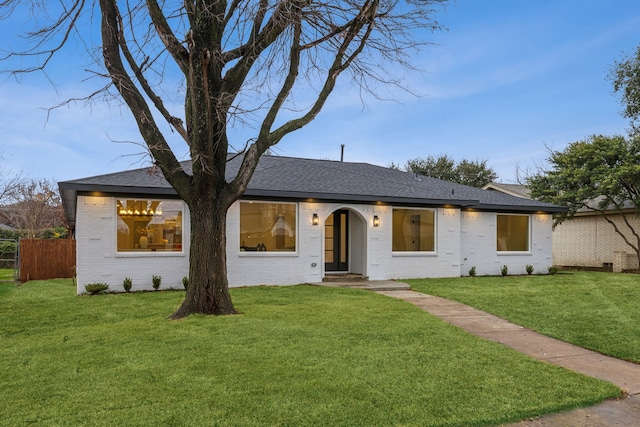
(47, 259)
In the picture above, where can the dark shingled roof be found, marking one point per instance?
(292, 178)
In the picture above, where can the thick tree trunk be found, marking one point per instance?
(208, 290)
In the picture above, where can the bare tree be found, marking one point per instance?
(36, 206)
(242, 63)
(9, 183)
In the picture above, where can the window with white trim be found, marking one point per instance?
(512, 233)
(149, 225)
(268, 227)
(413, 230)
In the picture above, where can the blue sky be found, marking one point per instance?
(508, 79)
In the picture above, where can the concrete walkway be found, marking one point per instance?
(626, 375)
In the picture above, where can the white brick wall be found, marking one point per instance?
(478, 243)
(270, 268)
(97, 260)
(463, 239)
(444, 262)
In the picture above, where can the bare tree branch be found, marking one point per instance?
(112, 36)
(138, 72)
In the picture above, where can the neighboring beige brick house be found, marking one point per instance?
(587, 239)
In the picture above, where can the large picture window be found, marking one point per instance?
(267, 227)
(413, 230)
(149, 225)
(513, 233)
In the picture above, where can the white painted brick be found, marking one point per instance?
(97, 260)
(463, 239)
(478, 245)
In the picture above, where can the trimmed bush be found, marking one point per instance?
(185, 282)
(96, 288)
(155, 280)
(553, 270)
(529, 269)
(504, 270)
(472, 271)
(127, 283)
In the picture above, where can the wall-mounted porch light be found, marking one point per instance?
(315, 220)
(376, 221)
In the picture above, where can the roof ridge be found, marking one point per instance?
(418, 177)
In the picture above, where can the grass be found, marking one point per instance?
(298, 356)
(598, 311)
(6, 274)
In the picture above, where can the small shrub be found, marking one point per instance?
(126, 284)
(8, 251)
(529, 269)
(156, 281)
(12, 234)
(185, 282)
(504, 270)
(96, 288)
(553, 270)
(472, 271)
(55, 233)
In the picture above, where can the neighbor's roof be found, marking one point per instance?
(512, 189)
(278, 177)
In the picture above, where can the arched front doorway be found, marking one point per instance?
(345, 242)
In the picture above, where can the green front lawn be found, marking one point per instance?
(599, 311)
(6, 274)
(298, 356)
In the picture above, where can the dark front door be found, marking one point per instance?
(336, 242)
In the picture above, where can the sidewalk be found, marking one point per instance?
(626, 375)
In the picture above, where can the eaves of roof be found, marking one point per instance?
(540, 208)
(354, 198)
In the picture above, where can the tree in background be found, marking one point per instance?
(441, 167)
(237, 63)
(35, 209)
(600, 174)
(9, 183)
(625, 76)
(473, 173)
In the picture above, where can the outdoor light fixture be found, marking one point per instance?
(315, 220)
(376, 221)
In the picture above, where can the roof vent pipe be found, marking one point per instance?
(342, 152)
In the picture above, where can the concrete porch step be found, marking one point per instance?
(344, 278)
(376, 285)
